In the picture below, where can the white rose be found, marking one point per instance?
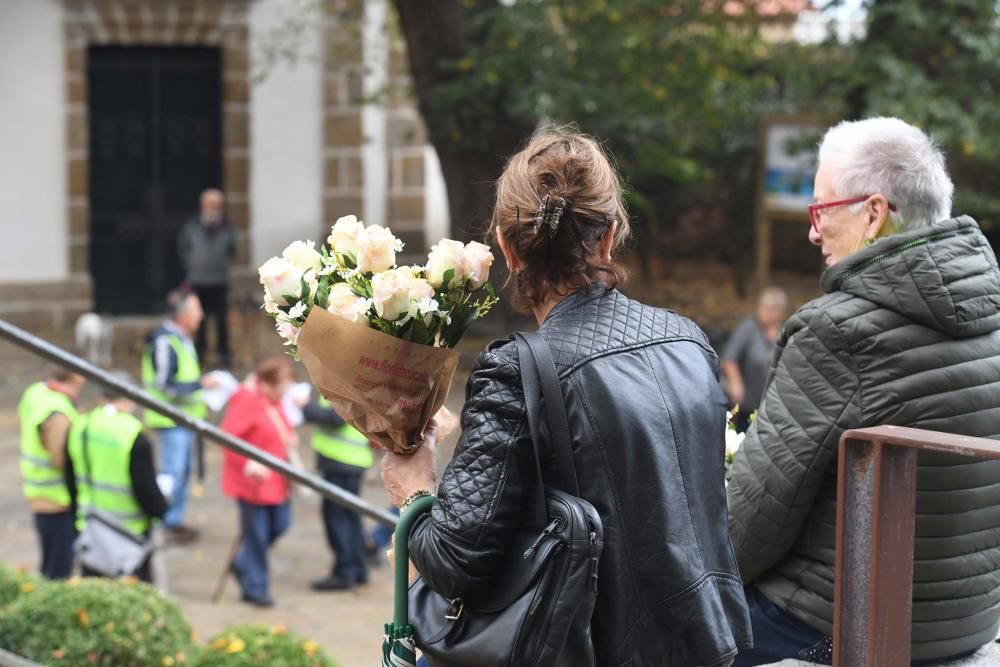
(343, 302)
(477, 261)
(288, 331)
(397, 293)
(280, 278)
(445, 256)
(345, 234)
(376, 250)
(304, 255)
(269, 305)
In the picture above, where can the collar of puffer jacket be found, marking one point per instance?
(943, 276)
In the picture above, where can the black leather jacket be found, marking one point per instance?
(647, 416)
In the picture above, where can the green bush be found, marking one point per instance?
(255, 646)
(16, 582)
(97, 622)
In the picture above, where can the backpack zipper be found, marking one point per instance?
(549, 529)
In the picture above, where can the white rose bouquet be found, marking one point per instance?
(375, 336)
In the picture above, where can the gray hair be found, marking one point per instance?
(773, 296)
(890, 157)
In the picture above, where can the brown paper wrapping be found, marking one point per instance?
(385, 387)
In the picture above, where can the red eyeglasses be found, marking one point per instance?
(814, 209)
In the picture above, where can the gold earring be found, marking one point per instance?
(869, 241)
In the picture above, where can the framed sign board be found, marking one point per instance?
(785, 182)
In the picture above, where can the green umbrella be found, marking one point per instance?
(398, 648)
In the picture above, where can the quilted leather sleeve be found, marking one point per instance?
(483, 492)
(812, 396)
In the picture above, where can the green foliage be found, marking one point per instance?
(15, 583)
(256, 646)
(97, 622)
(677, 90)
(937, 65)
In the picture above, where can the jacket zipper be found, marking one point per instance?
(881, 257)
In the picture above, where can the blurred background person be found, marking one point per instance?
(45, 412)
(171, 372)
(110, 469)
(342, 456)
(207, 247)
(747, 354)
(255, 414)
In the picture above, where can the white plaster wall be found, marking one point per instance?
(374, 152)
(437, 224)
(286, 137)
(32, 142)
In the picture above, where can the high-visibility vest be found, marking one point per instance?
(344, 444)
(188, 370)
(103, 479)
(41, 478)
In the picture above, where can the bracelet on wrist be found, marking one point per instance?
(419, 493)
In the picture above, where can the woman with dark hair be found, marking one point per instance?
(646, 419)
(254, 413)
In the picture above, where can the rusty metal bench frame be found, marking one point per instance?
(876, 511)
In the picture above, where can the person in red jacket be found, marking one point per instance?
(254, 414)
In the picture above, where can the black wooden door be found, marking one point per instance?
(155, 144)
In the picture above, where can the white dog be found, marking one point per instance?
(93, 339)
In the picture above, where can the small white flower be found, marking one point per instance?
(288, 331)
(427, 306)
(734, 440)
(298, 310)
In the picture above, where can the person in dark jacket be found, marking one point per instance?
(646, 416)
(206, 246)
(906, 334)
(342, 457)
(110, 468)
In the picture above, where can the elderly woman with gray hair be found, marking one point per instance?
(907, 333)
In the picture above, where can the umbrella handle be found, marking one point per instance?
(400, 610)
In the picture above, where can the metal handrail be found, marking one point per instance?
(57, 355)
(876, 514)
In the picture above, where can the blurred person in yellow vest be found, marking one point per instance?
(110, 469)
(342, 456)
(46, 412)
(171, 372)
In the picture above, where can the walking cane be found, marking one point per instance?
(220, 587)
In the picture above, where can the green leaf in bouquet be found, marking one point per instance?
(419, 333)
(448, 276)
(323, 292)
(305, 288)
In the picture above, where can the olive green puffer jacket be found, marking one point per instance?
(908, 334)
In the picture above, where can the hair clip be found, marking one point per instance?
(550, 218)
